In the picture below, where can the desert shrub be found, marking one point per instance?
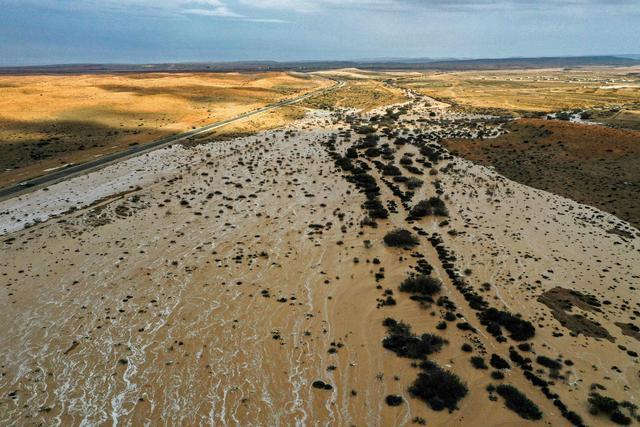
(497, 375)
(344, 163)
(421, 284)
(516, 358)
(438, 388)
(365, 129)
(413, 169)
(412, 183)
(406, 344)
(619, 418)
(524, 346)
(498, 362)
(478, 362)
(548, 362)
(376, 209)
(406, 160)
(372, 152)
(573, 418)
(321, 385)
(520, 329)
(518, 402)
(605, 404)
(368, 221)
(391, 170)
(431, 152)
(466, 347)
(494, 329)
(431, 206)
(466, 326)
(401, 238)
(393, 400)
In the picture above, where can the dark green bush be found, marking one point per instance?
(430, 206)
(440, 389)
(498, 362)
(521, 330)
(421, 284)
(605, 404)
(401, 238)
(393, 400)
(406, 344)
(548, 362)
(518, 402)
(478, 362)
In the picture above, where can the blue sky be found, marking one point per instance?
(140, 31)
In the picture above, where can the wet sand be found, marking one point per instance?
(214, 284)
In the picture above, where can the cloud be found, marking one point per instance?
(167, 8)
(314, 6)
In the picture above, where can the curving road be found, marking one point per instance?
(74, 170)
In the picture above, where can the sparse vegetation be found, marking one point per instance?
(604, 404)
(521, 330)
(421, 284)
(518, 402)
(393, 400)
(401, 238)
(431, 206)
(440, 389)
(549, 363)
(406, 344)
(478, 362)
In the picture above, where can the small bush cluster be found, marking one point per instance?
(478, 362)
(518, 402)
(412, 183)
(549, 363)
(368, 221)
(440, 389)
(413, 169)
(430, 206)
(406, 160)
(401, 238)
(391, 170)
(393, 400)
(376, 209)
(406, 344)
(494, 320)
(421, 284)
(607, 405)
(498, 362)
(520, 330)
(431, 152)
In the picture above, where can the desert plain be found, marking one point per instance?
(397, 251)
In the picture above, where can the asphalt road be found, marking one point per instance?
(90, 166)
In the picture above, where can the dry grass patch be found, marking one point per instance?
(49, 121)
(359, 94)
(531, 90)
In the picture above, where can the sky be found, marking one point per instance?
(35, 32)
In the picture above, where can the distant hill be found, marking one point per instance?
(513, 63)
(383, 64)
